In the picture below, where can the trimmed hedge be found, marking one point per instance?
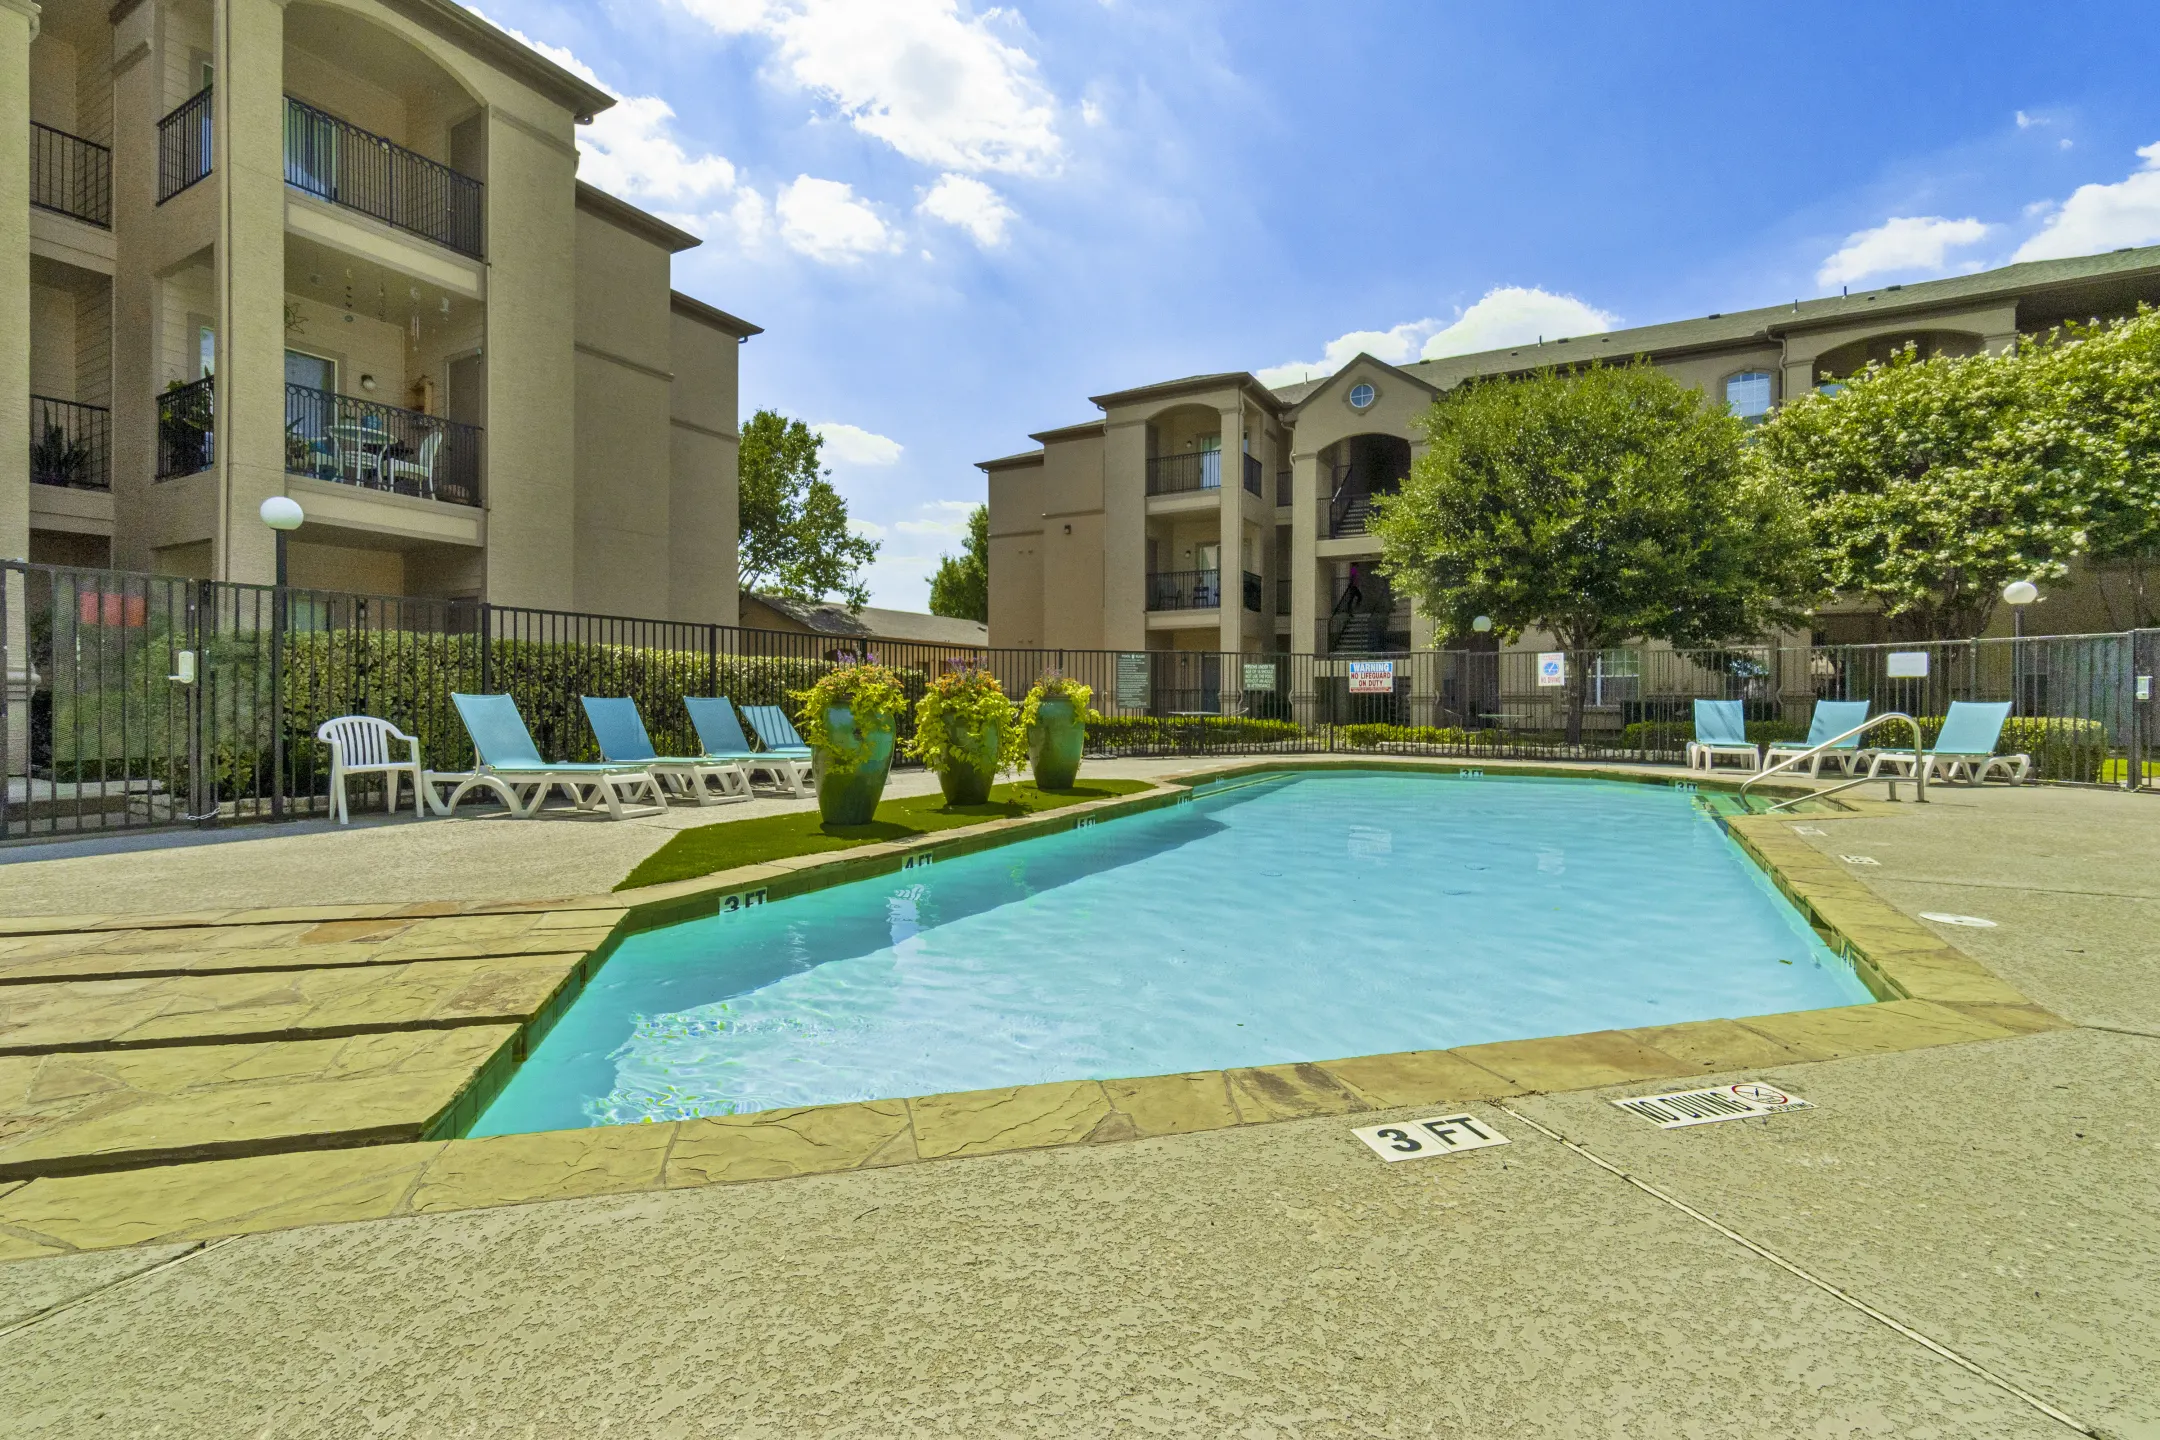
(1371, 737)
(1161, 732)
(1674, 735)
(2061, 749)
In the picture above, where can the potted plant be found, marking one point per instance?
(1055, 716)
(966, 730)
(847, 720)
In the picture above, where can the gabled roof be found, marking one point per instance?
(827, 617)
(1241, 379)
(1319, 387)
(711, 315)
(1072, 432)
(1011, 462)
(643, 224)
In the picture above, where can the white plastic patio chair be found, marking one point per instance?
(419, 470)
(361, 745)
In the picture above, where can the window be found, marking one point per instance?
(206, 350)
(1361, 397)
(1747, 394)
(313, 371)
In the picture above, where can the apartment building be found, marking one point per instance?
(1214, 514)
(338, 250)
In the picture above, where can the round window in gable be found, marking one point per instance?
(1361, 397)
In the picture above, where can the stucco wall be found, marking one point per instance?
(704, 494)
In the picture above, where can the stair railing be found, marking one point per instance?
(1919, 771)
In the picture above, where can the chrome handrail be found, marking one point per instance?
(1919, 765)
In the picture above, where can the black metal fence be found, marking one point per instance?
(345, 165)
(184, 145)
(187, 428)
(350, 441)
(70, 175)
(70, 444)
(135, 700)
(1184, 590)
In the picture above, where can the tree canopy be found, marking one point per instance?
(1600, 504)
(795, 536)
(961, 587)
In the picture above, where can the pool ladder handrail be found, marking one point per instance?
(1919, 771)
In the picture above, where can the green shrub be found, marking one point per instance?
(1179, 732)
(2061, 749)
(1369, 737)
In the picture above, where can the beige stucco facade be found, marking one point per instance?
(361, 221)
(1148, 529)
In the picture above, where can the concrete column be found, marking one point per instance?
(1124, 620)
(138, 102)
(247, 41)
(18, 27)
(1231, 531)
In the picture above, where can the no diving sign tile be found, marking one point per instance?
(1421, 1139)
(1679, 1108)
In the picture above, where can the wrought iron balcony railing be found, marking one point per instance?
(184, 146)
(1185, 590)
(1178, 474)
(70, 175)
(187, 428)
(70, 444)
(1253, 473)
(348, 441)
(1252, 592)
(345, 165)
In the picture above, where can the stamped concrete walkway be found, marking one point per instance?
(1958, 1241)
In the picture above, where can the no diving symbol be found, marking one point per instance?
(1761, 1095)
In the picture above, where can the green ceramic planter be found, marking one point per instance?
(970, 767)
(849, 796)
(1054, 744)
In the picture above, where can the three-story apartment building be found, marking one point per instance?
(338, 250)
(1216, 514)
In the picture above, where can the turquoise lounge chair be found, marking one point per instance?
(511, 767)
(621, 732)
(775, 731)
(1965, 749)
(720, 731)
(1831, 718)
(1721, 729)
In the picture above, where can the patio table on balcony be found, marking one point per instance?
(367, 443)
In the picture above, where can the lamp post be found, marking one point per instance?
(2017, 595)
(283, 515)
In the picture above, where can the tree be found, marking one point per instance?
(2093, 428)
(795, 537)
(1930, 484)
(1600, 504)
(961, 587)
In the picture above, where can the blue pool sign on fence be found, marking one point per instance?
(1552, 668)
(1372, 677)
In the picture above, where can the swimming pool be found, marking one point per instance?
(1298, 917)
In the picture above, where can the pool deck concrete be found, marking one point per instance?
(1194, 1255)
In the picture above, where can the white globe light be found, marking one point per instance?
(2021, 592)
(282, 512)
(1483, 624)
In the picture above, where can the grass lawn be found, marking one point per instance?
(730, 843)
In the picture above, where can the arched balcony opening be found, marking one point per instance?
(1355, 471)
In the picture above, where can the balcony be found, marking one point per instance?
(70, 176)
(1183, 474)
(187, 429)
(347, 441)
(1282, 597)
(184, 146)
(350, 167)
(1185, 589)
(1252, 589)
(70, 444)
(1283, 492)
(1253, 473)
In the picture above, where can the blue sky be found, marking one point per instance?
(957, 222)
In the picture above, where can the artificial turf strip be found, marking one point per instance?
(732, 843)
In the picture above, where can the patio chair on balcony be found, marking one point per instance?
(1721, 729)
(417, 471)
(1965, 750)
(708, 779)
(720, 731)
(511, 768)
(1832, 717)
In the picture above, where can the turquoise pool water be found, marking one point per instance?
(1298, 918)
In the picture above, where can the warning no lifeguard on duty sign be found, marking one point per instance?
(1706, 1107)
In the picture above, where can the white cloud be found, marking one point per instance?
(2103, 217)
(964, 201)
(853, 445)
(948, 519)
(2026, 122)
(1091, 113)
(1516, 315)
(823, 220)
(628, 151)
(1901, 243)
(1505, 315)
(927, 77)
